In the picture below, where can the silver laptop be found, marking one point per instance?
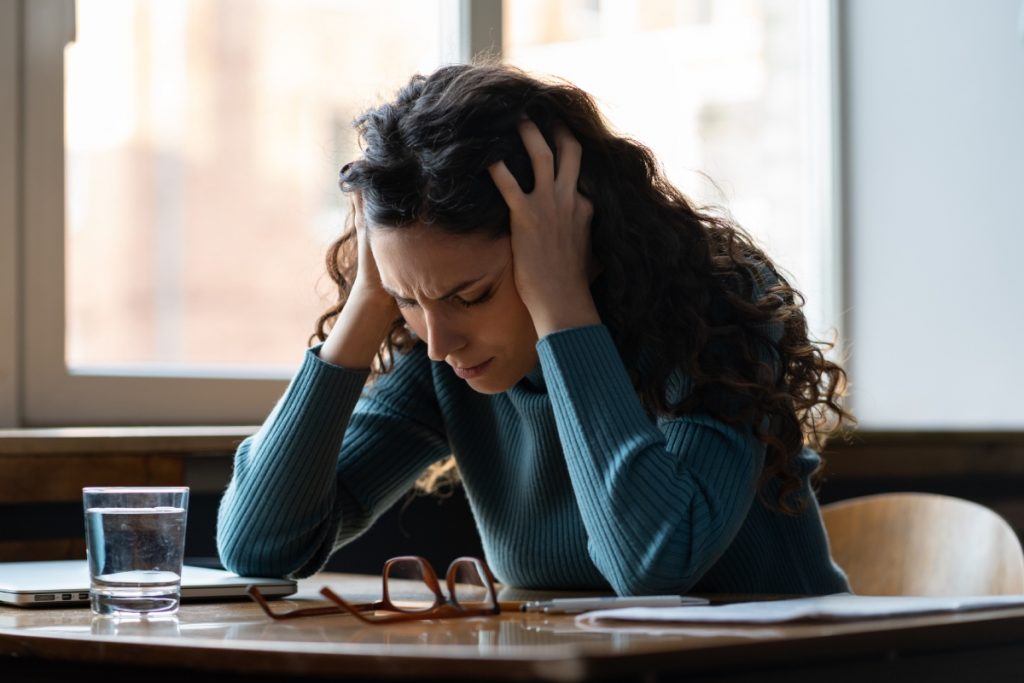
(66, 582)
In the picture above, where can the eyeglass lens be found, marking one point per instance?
(409, 586)
(412, 586)
(467, 584)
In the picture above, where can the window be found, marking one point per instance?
(177, 164)
(732, 95)
(174, 261)
(203, 142)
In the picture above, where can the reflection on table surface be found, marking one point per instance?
(241, 624)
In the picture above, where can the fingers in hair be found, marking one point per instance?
(506, 183)
(541, 156)
(570, 155)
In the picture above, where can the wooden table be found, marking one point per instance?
(235, 642)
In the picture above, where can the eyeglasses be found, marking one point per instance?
(411, 591)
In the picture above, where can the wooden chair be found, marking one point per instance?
(924, 544)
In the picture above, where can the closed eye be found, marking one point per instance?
(405, 303)
(459, 301)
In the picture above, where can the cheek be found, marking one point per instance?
(515, 328)
(502, 323)
(516, 317)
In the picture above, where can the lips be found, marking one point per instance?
(473, 371)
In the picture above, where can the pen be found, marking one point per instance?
(578, 605)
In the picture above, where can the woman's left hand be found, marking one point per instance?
(550, 233)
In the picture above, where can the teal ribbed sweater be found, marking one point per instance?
(571, 482)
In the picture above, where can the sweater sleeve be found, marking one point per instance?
(311, 479)
(660, 500)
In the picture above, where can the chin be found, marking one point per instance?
(485, 385)
(500, 378)
(495, 381)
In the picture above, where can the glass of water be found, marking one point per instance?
(135, 541)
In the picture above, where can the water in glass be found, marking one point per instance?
(135, 558)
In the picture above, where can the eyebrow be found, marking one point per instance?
(450, 293)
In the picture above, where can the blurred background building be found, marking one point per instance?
(204, 139)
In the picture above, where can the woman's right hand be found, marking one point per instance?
(369, 311)
(367, 281)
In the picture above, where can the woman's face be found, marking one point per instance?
(458, 294)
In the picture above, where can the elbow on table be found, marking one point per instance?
(238, 557)
(650, 584)
(253, 547)
(250, 554)
(664, 569)
(651, 578)
(252, 544)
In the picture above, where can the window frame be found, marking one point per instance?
(37, 389)
(825, 169)
(10, 50)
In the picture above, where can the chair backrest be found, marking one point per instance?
(924, 544)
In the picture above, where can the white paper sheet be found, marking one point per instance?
(838, 607)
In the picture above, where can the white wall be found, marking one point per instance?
(934, 211)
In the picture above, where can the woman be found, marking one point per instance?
(624, 382)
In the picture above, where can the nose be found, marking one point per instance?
(443, 338)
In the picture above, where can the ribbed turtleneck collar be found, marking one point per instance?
(534, 379)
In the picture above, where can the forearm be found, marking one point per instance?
(277, 512)
(660, 502)
(359, 331)
(326, 463)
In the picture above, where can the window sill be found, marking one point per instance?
(866, 454)
(186, 441)
(907, 454)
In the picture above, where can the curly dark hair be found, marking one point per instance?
(681, 288)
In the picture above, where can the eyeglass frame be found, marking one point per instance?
(443, 607)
